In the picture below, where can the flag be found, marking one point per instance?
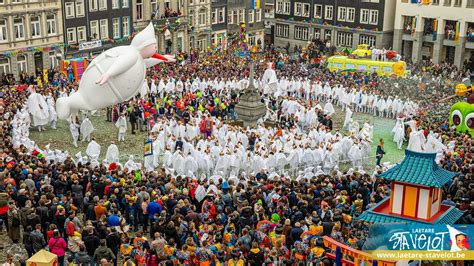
(456, 33)
(435, 29)
(255, 4)
(413, 26)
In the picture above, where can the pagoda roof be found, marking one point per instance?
(419, 168)
(374, 215)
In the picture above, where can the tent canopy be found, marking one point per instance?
(42, 256)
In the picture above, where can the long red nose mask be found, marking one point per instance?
(160, 57)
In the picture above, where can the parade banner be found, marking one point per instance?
(420, 242)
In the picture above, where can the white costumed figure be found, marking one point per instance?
(112, 155)
(53, 116)
(74, 128)
(348, 118)
(86, 129)
(38, 108)
(270, 80)
(121, 124)
(114, 76)
(93, 150)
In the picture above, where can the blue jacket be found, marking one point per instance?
(153, 207)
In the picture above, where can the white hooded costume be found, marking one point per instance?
(112, 155)
(38, 108)
(93, 150)
(86, 129)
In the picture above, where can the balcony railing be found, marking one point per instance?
(171, 20)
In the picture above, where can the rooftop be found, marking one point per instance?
(419, 168)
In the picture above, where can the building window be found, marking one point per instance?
(259, 15)
(70, 10)
(317, 34)
(19, 29)
(71, 35)
(3, 30)
(125, 4)
(318, 11)
(202, 18)
(4, 65)
(286, 8)
(214, 16)
(79, 8)
(328, 12)
(235, 16)
(364, 16)
(327, 34)
(457, 3)
(102, 4)
(341, 13)
(93, 5)
(283, 7)
(35, 27)
(252, 39)
(16, 1)
(51, 24)
(374, 17)
(435, 2)
(22, 64)
(367, 39)
(126, 26)
(116, 28)
(2, 2)
(301, 33)
(221, 15)
(53, 60)
(154, 8)
(104, 29)
(282, 30)
(229, 18)
(95, 34)
(344, 39)
(81, 34)
(241, 15)
(301, 9)
(251, 16)
(139, 10)
(447, 2)
(115, 4)
(350, 14)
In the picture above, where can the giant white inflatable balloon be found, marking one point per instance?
(114, 76)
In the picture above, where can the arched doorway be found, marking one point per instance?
(39, 61)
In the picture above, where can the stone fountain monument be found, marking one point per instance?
(250, 107)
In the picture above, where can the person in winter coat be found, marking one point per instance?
(255, 256)
(58, 246)
(113, 242)
(82, 258)
(27, 241)
(37, 239)
(14, 222)
(91, 241)
(103, 252)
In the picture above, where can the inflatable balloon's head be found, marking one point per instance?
(462, 117)
(145, 41)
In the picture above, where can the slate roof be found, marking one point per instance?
(419, 168)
